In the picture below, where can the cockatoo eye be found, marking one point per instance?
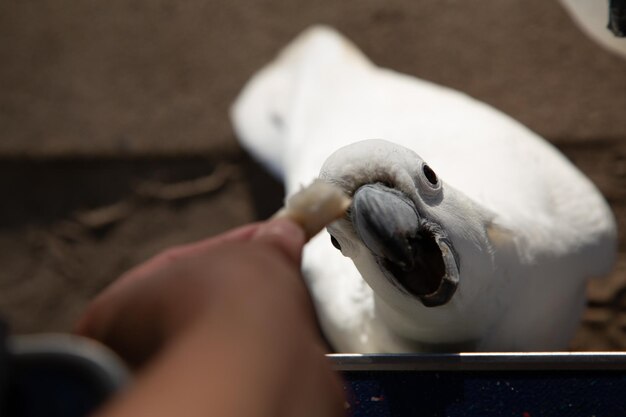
(430, 175)
(335, 242)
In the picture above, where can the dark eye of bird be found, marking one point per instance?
(335, 243)
(430, 174)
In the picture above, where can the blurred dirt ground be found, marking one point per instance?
(115, 140)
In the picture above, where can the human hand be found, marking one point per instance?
(225, 327)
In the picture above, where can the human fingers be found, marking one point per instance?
(250, 280)
(285, 235)
(213, 369)
(272, 325)
(100, 309)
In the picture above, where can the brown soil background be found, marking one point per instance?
(115, 140)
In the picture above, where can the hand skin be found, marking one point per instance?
(222, 327)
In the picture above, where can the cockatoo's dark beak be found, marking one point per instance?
(413, 253)
(387, 222)
(617, 17)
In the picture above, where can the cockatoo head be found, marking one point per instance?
(410, 235)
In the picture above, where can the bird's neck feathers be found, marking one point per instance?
(464, 219)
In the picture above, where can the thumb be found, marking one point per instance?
(284, 234)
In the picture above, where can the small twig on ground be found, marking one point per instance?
(152, 190)
(187, 189)
(104, 216)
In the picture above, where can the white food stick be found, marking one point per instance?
(315, 206)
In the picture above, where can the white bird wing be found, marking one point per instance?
(321, 93)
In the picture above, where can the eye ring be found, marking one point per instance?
(430, 175)
(335, 242)
(427, 182)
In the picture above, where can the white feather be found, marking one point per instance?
(530, 228)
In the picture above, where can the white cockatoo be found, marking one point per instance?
(604, 21)
(466, 230)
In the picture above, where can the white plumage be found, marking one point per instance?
(513, 221)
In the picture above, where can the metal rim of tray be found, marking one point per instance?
(526, 361)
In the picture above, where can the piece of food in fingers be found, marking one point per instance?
(315, 206)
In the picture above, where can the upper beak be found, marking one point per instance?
(386, 221)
